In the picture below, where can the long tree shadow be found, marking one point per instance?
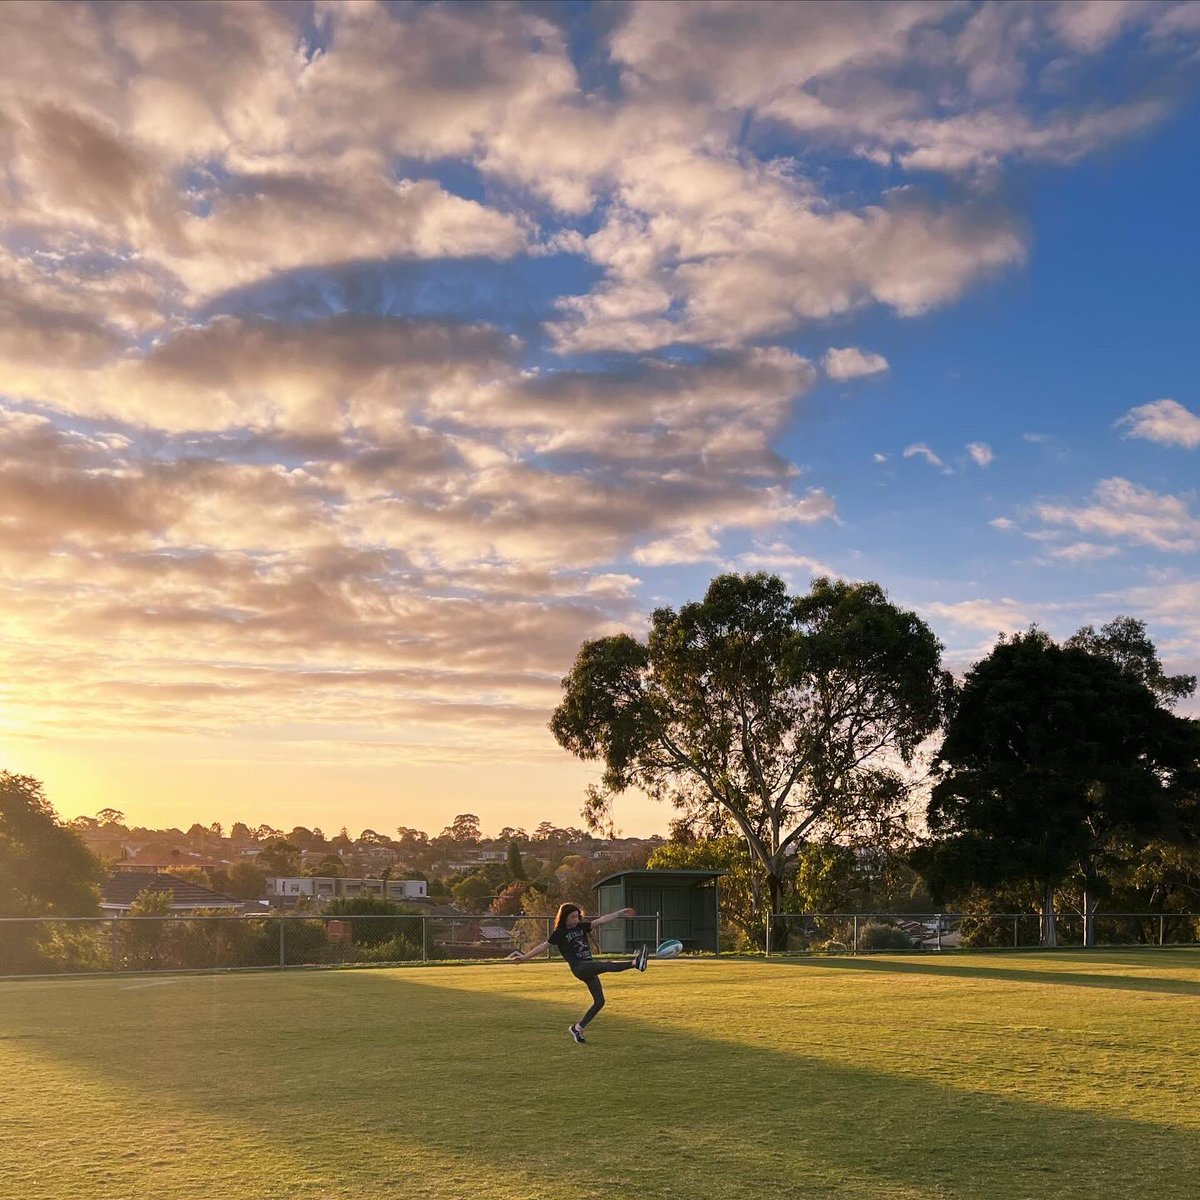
(956, 968)
(490, 1080)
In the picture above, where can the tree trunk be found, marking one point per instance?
(1089, 905)
(779, 925)
(1049, 928)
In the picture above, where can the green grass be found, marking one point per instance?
(1002, 1077)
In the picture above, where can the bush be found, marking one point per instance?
(401, 948)
(375, 930)
(874, 935)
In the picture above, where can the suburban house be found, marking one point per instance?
(470, 859)
(151, 861)
(119, 890)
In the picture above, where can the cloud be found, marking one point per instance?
(1084, 552)
(879, 458)
(242, 490)
(259, 225)
(851, 363)
(249, 373)
(1004, 523)
(782, 559)
(981, 453)
(1164, 421)
(998, 616)
(919, 449)
(1121, 509)
(706, 249)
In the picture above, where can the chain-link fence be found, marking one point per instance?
(199, 942)
(33, 946)
(860, 933)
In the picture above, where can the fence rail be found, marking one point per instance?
(47, 946)
(859, 933)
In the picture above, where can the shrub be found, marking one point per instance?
(401, 948)
(375, 929)
(874, 935)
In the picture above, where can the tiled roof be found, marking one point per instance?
(122, 887)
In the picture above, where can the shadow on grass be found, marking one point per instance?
(490, 1080)
(957, 967)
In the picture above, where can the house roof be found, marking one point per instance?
(663, 875)
(172, 858)
(120, 890)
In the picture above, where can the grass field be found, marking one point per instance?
(989, 1077)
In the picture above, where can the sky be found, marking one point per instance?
(359, 362)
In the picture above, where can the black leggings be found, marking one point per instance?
(589, 973)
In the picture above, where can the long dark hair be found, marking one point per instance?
(564, 911)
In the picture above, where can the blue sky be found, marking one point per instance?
(360, 362)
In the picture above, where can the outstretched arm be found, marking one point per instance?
(623, 912)
(517, 956)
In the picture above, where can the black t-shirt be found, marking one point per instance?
(573, 943)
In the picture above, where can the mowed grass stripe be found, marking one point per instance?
(999, 1076)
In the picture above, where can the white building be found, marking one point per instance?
(325, 887)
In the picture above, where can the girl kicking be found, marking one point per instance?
(570, 935)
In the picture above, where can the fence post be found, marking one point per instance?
(768, 935)
(939, 927)
(549, 952)
(1162, 932)
(424, 938)
(856, 933)
(281, 952)
(116, 956)
(1016, 935)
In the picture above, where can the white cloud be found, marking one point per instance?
(1121, 509)
(1084, 552)
(851, 363)
(920, 450)
(981, 453)
(1005, 523)
(1164, 421)
(780, 558)
(706, 248)
(998, 616)
(690, 546)
(879, 458)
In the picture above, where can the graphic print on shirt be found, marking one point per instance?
(573, 943)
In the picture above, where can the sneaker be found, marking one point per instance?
(642, 955)
(577, 1034)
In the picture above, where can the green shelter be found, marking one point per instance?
(670, 904)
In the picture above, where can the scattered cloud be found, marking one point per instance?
(782, 559)
(1084, 552)
(851, 363)
(920, 450)
(258, 471)
(997, 616)
(1164, 421)
(1004, 523)
(1125, 510)
(981, 453)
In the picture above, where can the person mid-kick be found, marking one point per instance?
(570, 935)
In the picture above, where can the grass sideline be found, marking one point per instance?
(1070, 1076)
